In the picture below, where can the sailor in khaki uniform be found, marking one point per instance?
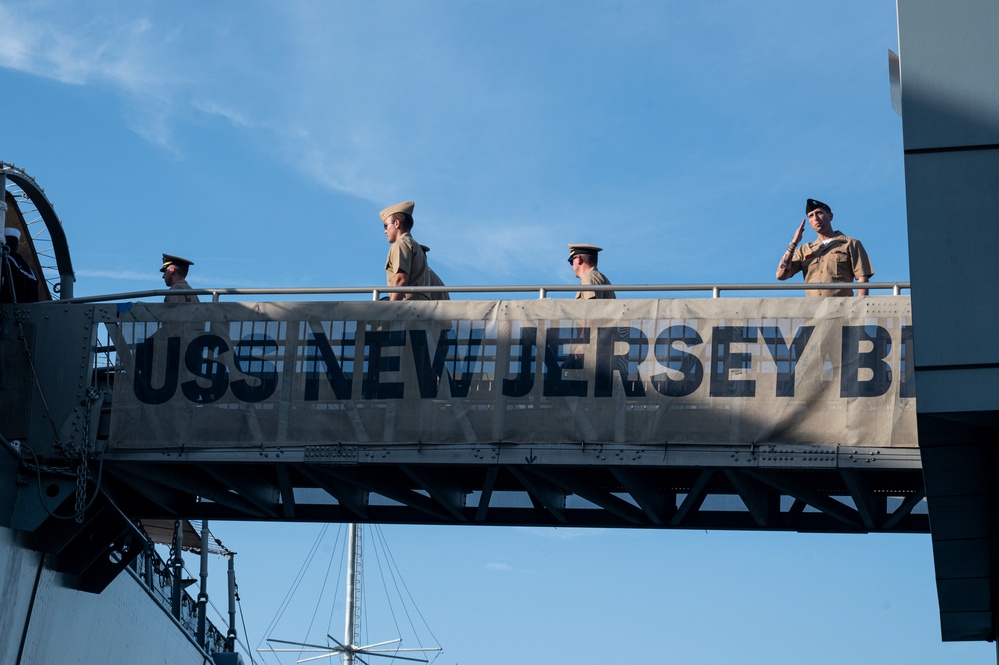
(434, 279)
(406, 264)
(174, 271)
(832, 257)
(583, 259)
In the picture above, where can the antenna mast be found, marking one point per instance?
(352, 620)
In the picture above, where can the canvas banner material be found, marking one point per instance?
(834, 371)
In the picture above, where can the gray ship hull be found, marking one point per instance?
(45, 621)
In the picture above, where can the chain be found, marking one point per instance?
(81, 487)
(82, 471)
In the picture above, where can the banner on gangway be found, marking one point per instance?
(835, 371)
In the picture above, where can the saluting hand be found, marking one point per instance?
(800, 232)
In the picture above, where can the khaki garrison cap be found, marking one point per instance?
(576, 250)
(170, 260)
(405, 206)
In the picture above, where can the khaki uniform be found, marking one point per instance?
(841, 260)
(406, 256)
(435, 280)
(182, 285)
(594, 277)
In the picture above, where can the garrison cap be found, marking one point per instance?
(812, 204)
(405, 206)
(576, 250)
(171, 260)
(11, 232)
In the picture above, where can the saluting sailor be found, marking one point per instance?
(406, 264)
(583, 259)
(174, 271)
(832, 257)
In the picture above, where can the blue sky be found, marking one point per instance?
(260, 139)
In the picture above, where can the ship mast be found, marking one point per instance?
(350, 648)
(352, 619)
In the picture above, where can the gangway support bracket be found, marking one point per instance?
(786, 484)
(441, 490)
(694, 498)
(287, 491)
(658, 505)
(544, 495)
(93, 551)
(488, 485)
(216, 494)
(594, 495)
(351, 497)
(752, 493)
(905, 509)
(28, 498)
(251, 487)
(863, 497)
(140, 488)
(404, 496)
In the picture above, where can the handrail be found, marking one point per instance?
(543, 291)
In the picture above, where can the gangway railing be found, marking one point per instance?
(542, 291)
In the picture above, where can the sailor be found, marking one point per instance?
(434, 279)
(406, 264)
(583, 259)
(832, 257)
(18, 282)
(174, 271)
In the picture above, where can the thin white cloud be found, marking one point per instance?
(123, 57)
(236, 116)
(61, 51)
(129, 275)
(507, 568)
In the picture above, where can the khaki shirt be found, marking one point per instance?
(594, 277)
(405, 255)
(435, 280)
(182, 285)
(841, 260)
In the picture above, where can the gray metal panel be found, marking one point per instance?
(973, 552)
(955, 517)
(965, 626)
(62, 349)
(951, 199)
(970, 593)
(957, 390)
(950, 119)
(950, 82)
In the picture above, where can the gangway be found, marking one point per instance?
(726, 413)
